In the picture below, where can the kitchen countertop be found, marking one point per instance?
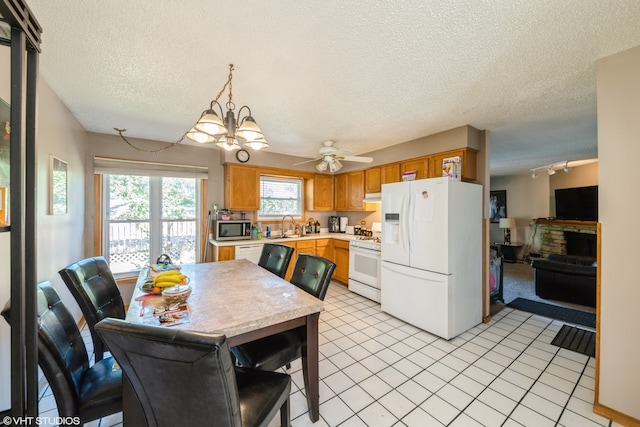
(315, 236)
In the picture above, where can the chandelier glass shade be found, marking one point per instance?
(225, 132)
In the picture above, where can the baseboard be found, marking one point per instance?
(615, 416)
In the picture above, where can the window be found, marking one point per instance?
(280, 196)
(146, 216)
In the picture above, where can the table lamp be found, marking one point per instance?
(507, 224)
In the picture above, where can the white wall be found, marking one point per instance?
(618, 152)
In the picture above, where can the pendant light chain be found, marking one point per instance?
(173, 144)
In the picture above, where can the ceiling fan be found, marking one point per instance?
(330, 157)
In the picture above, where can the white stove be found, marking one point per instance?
(364, 264)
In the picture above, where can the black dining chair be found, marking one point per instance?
(185, 377)
(94, 288)
(80, 390)
(312, 274)
(276, 258)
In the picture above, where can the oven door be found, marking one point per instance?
(364, 266)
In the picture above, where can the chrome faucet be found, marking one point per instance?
(293, 222)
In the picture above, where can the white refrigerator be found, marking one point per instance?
(432, 254)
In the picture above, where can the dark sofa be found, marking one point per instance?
(568, 278)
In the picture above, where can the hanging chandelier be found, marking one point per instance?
(224, 132)
(211, 128)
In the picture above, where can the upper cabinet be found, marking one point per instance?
(390, 173)
(376, 176)
(356, 191)
(420, 165)
(372, 180)
(468, 160)
(349, 191)
(341, 200)
(242, 187)
(319, 191)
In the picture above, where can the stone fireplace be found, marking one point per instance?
(567, 237)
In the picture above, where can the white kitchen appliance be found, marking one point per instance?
(344, 221)
(364, 264)
(432, 254)
(251, 252)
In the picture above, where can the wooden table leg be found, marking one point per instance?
(310, 369)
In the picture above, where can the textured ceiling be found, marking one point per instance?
(365, 74)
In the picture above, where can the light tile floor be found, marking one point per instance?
(376, 370)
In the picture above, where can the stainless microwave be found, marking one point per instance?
(233, 229)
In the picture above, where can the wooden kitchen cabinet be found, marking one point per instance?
(468, 157)
(319, 191)
(224, 253)
(420, 165)
(323, 248)
(372, 180)
(355, 185)
(341, 201)
(306, 247)
(294, 257)
(341, 259)
(242, 187)
(390, 173)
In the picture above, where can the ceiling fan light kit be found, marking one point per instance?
(330, 157)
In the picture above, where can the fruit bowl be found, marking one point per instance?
(176, 294)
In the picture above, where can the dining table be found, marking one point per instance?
(244, 302)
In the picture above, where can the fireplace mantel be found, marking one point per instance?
(568, 223)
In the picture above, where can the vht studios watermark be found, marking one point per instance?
(40, 421)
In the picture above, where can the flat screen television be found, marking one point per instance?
(580, 203)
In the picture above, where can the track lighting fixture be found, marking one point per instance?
(550, 168)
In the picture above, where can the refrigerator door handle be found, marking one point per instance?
(407, 219)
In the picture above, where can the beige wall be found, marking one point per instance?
(618, 80)
(60, 135)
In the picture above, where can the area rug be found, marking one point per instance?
(576, 339)
(568, 315)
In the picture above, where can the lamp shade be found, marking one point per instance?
(507, 223)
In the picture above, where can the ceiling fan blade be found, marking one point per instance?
(361, 159)
(307, 161)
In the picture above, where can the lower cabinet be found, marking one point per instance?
(306, 247)
(341, 258)
(323, 248)
(293, 258)
(224, 253)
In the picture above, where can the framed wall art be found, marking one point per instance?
(497, 205)
(57, 186)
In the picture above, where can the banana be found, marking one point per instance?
(175, 278)
(165, 284)
(169, 273)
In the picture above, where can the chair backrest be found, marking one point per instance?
(276, 258)
(313, 274)
(179, 377)
(94, 288)
(62, 355)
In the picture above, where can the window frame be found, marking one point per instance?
(301, 199)
(101, 225)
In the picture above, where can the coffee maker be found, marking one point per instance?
(334, 224)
